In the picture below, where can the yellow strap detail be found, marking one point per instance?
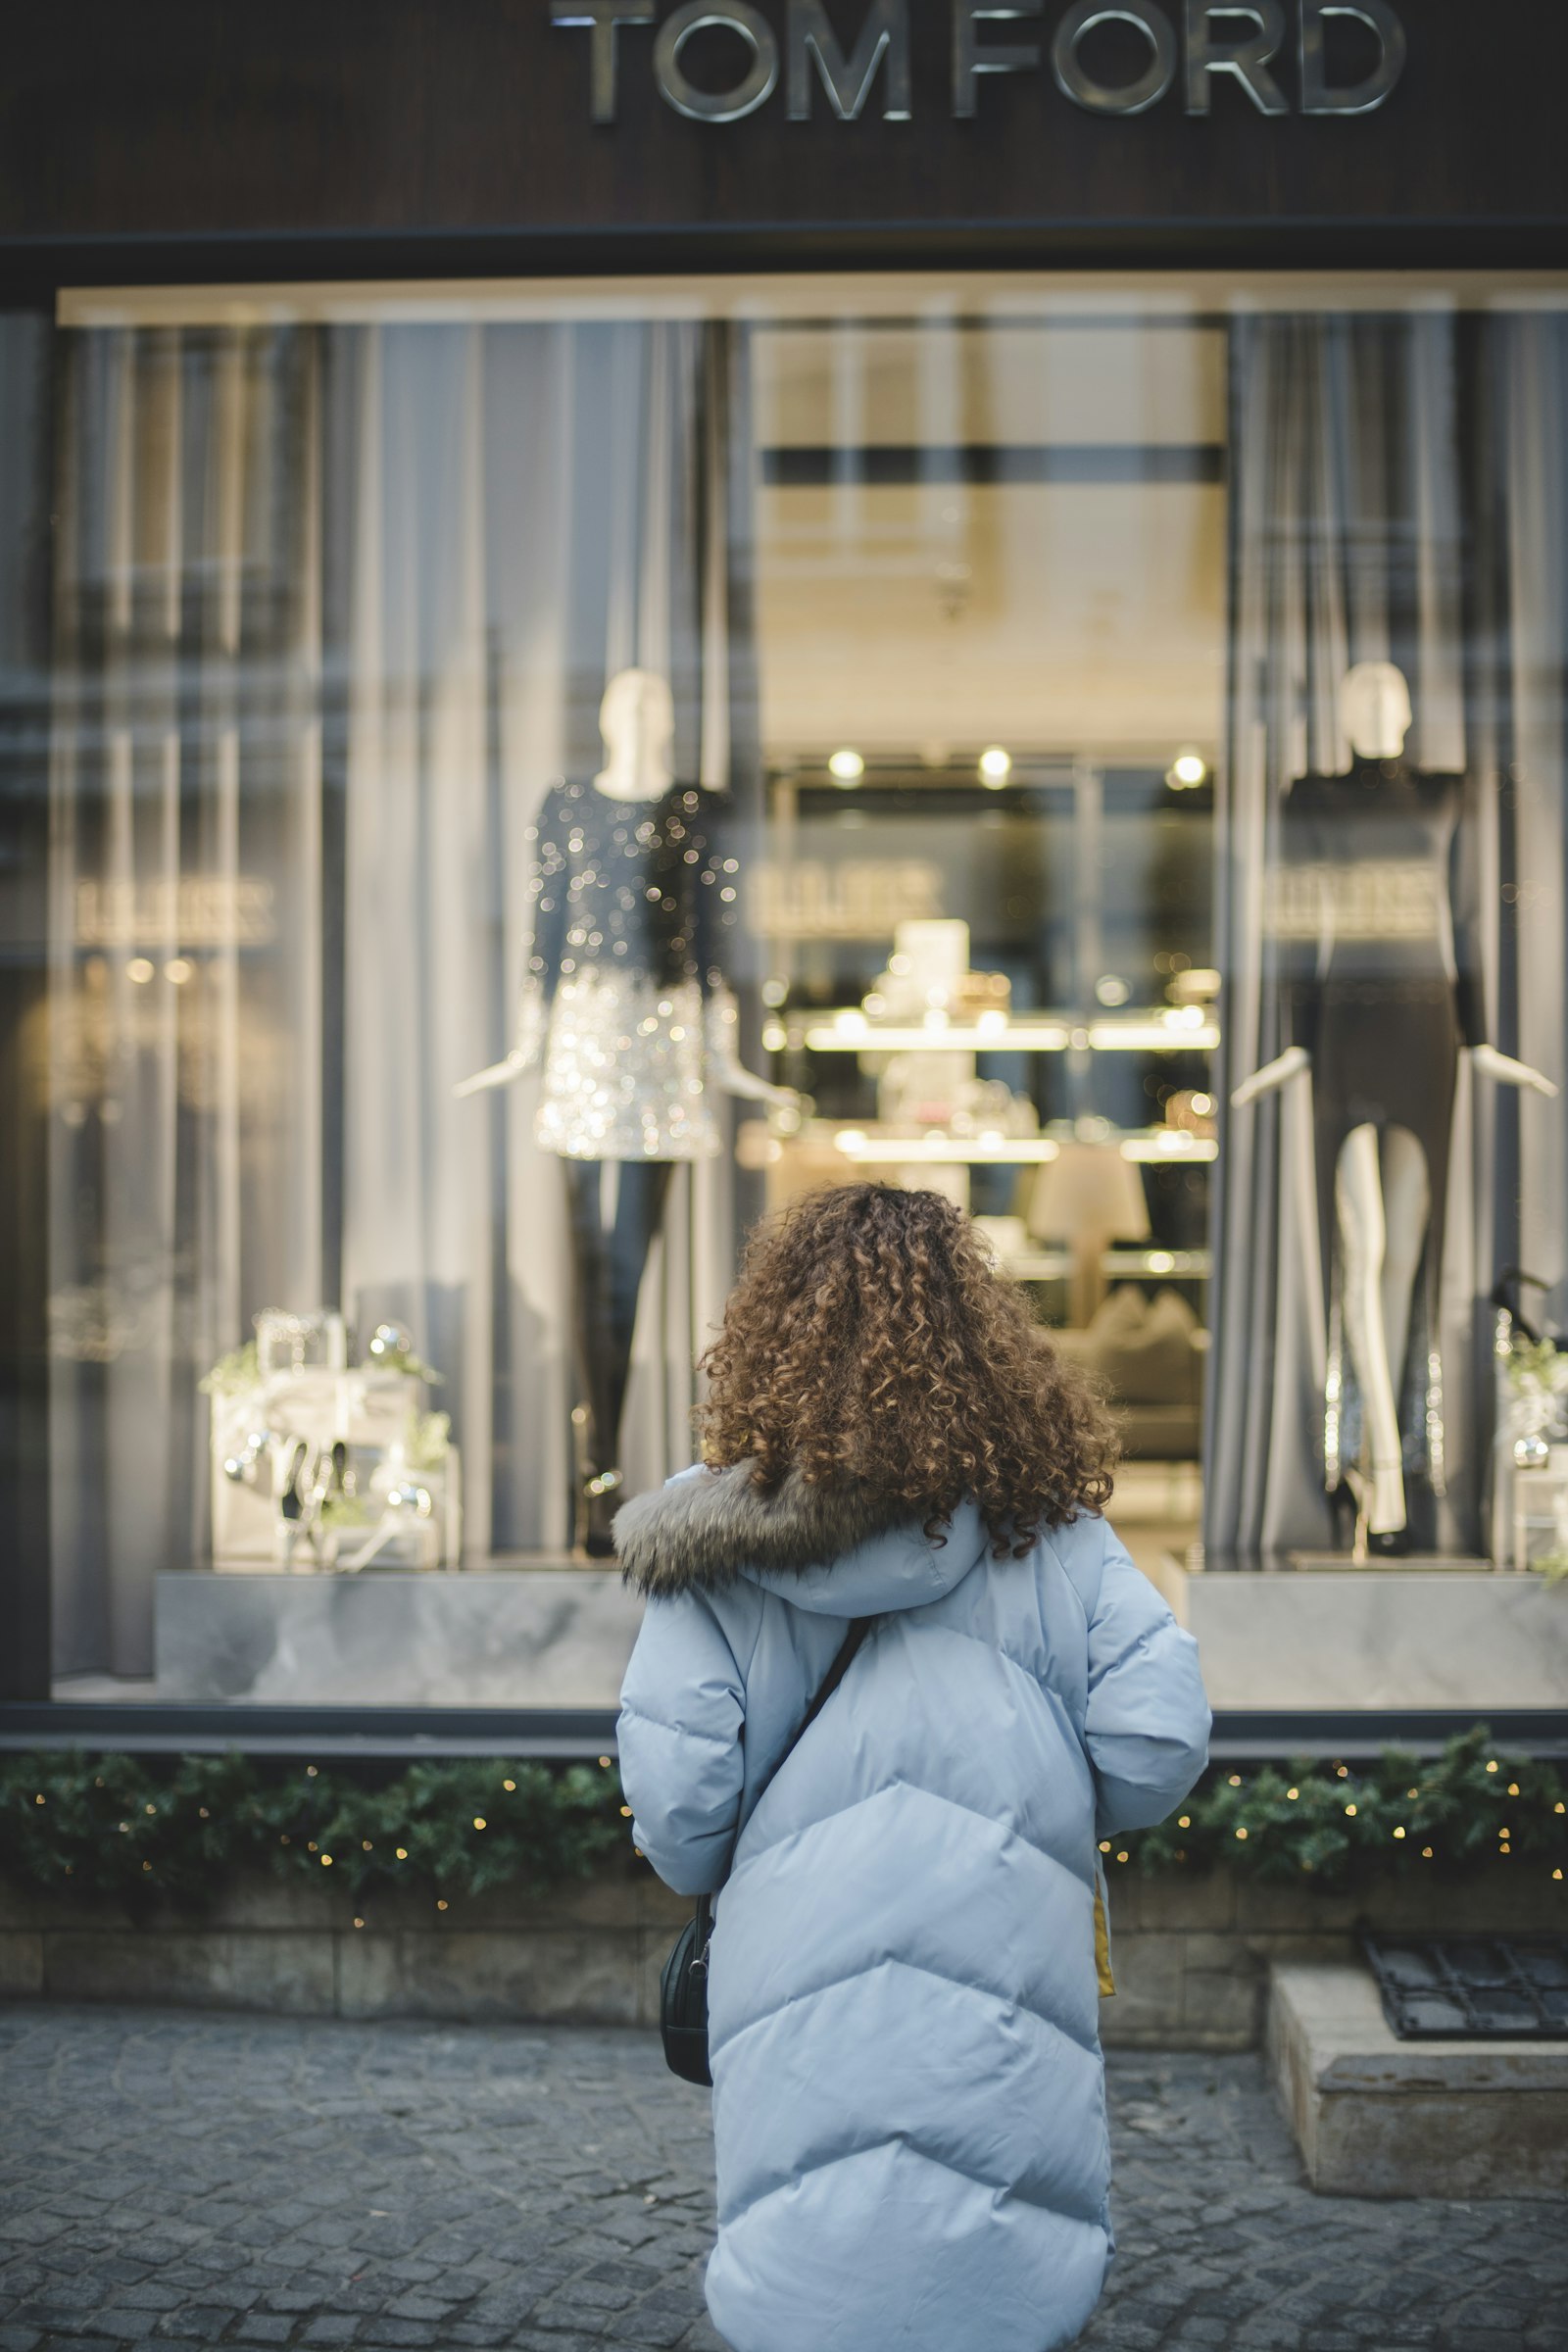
(1107, 1982)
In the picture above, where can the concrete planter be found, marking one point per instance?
(1192, 1954)
(1376, 2117)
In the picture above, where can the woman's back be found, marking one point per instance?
(909, 2097)
(908, 2108)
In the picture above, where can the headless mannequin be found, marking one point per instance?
(1383, 1198)
(616, 1194)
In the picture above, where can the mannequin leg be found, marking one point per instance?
(592, 1330)
(1407, 1213)
(638, 1221)
(610, 1252)
(1363, 1242)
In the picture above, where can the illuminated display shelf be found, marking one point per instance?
(1171, 1029)
(1056, 1265)
(877, 1147)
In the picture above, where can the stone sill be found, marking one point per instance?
(1191, 1954)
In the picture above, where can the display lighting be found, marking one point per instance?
(846, 767)
(850, 1032)
(1187, 772)
(996, 766)
(898, 1151)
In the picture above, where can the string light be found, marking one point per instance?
(479, 1820)
(1426, 1853)
(625, 1812)
(509, 1787)
(1350, 1810)
(1104, 1845)
(440, 1903)
(359, 1922)
(1493, 1765)
(1513, 1787)
(326, 1861)
(402, 1853)
(1398, 1833)
(40, 1800)
(1292, 1794)
(1184, 1821)
(310, 1772)
(1240, 1833)
(1235, 1780)
(1122, 1856)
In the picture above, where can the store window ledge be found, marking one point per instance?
(152, 1726)
(1472, 1640)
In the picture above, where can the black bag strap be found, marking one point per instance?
(858, 1627)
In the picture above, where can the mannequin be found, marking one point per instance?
(625, 1011)
(1382, 995)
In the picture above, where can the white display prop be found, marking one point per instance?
(321, 1465)
(1541, 1516)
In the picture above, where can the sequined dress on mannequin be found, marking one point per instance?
(624, 997)
(625, 1013)
(625, 1010)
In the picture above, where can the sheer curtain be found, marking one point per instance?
(535, 507)
(333, 607)
(184, 931)
(1348, 546)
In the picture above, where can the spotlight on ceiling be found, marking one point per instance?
(996, 766)
(846, 767)
(1186, 771)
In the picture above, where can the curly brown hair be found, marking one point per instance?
(869, 1338)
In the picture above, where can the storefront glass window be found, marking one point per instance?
(534, 781)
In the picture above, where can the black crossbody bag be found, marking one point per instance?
(683, 1987)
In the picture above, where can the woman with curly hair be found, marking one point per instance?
(908, 2096)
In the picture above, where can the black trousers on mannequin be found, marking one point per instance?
(609, 1257)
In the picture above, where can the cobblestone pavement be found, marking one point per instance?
(205, 2179)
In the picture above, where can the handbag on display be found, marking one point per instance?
(683, 1987)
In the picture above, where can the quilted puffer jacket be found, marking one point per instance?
(909, 2094)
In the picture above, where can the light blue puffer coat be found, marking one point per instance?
(908, 2096)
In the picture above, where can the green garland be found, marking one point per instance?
(1338, 1826)
(122, 1830)
(119, 1828)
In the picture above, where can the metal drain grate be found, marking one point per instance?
(1472, 1987)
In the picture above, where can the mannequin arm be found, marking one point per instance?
(1273, 1074)
(1508, 1072)
(725, 1067)
(734, 1078)
(532, 1016)
(499, 1073)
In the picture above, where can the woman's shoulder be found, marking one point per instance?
(1080, 1548)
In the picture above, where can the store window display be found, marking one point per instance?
(1101, 761)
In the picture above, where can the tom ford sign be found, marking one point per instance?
(1282, 62)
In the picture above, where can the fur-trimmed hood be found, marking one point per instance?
(834, 1550)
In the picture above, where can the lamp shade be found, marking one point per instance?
(1088, 1188)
